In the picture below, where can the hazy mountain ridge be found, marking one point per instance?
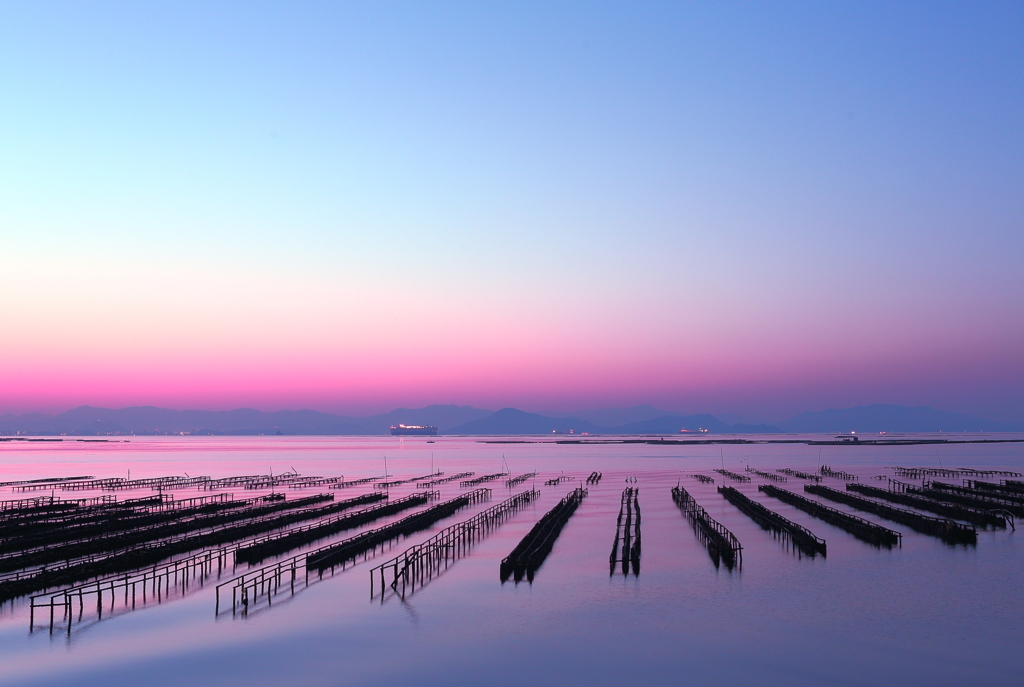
(87, 420)
(513, 421)
(672, 424)
(467, 420)
(611, 417)
(881, 417)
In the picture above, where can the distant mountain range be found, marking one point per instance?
(86, 420)
(890, 418)
(512, 421)
(466, 420)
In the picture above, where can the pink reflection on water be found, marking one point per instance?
(786, 619)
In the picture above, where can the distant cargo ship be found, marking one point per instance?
(421, 430)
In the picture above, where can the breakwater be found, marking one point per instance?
(972, 515)
(801, 538)
(627, 533)
(483, 479)
(53, 534)
(47, 481)
(347, 550)
(826, 471)
(983, 500)
(921, 473)
(140, 553)
(1009, 487)
(54, 546)
(767, 475)
(555, 481)
(395, 482)
(282, 542)
(798, 473)
(732, 475)
(994, 496)
(47, 504)
(949, 531)
(265, 582)
(443, 480)
(534, 548)
(419, 564)
(721, 544)
(865, 530)
(345, 484)
(519, 479)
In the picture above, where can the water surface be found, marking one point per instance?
(924, 613)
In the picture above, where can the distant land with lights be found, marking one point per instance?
(470, 421)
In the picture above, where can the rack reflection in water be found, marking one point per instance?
(530, 553)
(721, 544)
(423, 562)
(627, 531)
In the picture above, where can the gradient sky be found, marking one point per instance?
(748, 208)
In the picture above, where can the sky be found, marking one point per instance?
(749, 208)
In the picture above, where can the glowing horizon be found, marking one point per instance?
(353, 209)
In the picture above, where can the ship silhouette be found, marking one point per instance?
(421, 430)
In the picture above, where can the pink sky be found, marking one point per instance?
(371, 363)
(698, 215)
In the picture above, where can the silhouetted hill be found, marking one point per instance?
(513, 421)
(101, 427)
(444, 417)
(613, 417)
(890, 418)
(671, 424)
(87, 420)
(452, 419)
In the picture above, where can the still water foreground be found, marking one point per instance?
(926, 610)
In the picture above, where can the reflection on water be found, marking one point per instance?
(924, 612)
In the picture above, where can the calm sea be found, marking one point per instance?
(925, 613)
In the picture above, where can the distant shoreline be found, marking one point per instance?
(808, 442)
(535, 439)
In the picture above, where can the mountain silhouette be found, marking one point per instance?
(891, 418)
(467, 420)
